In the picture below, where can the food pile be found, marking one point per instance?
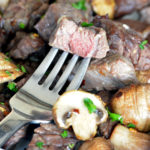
(111, 110)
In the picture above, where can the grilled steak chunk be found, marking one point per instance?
(17, 14)
(46, 25)
(126, 42)
(85, 42)
(111, 72)
(50, 136)
(128, 6)
(27, 45)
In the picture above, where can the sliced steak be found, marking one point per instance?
(125, 41)
(127, 6)
(50, 136)
(48, 23)
(111, 72)
(83, 41)
(27, 45)
(17, 14)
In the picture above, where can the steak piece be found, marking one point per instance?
(48, 23)
(50, 136)
(127, 6)
(125, 41)
(83, 41)
(17, 14)
(27, 44)
(110, 73)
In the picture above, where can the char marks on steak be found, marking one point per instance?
(110, 73)
(20, 11)
(48, 23)
(49, 134)
(127, 6)
(26, 45)
(125, 41)
(83, 41)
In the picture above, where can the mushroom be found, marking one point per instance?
(8, 70)
(71, 110)
(103, 7)
(97, 143)
(133, 104)
(123, 138)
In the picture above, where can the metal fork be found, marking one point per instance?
(33, 102)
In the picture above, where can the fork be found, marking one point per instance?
(33, 102)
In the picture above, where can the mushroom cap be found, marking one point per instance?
(70, 110)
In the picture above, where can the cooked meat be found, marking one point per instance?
(48, 23)
(17, 14)
(106, 128)
(128, 6)
(145, 14)
(111, 72)
(3, 37)
(83, 41)
(27, 45)
(8, 71)
(126, 42)
(140, 27)
(50, 139)
(16, 137)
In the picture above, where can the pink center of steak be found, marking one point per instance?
(82, 42)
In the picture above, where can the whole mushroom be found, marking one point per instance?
(71, 110)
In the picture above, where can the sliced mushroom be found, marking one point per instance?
(70, 110)
(8, 70)
(123, 138)
(97, 143)
(104, 7)
(133, 104)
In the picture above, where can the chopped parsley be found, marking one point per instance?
(71, 145)
(80, 5)
(39, 145)
(86, 24)
(142, 44)
(7, 72)
(12, 86)
(23, 69)
(17, 69)
(64, 134)
(130, 125)
(2, 103)
(114, 116)
(90, 105)
(8, 59)
(22, 25)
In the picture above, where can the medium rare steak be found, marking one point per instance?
(83, 41)
(110, 73)
(125, 41)
(48, 23)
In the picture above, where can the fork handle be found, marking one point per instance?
(9, 125)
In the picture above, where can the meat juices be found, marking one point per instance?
(83, 41)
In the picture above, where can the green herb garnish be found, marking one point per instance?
(12, 86)
(80, 5)
(71, 145)
(130, 125)
(7, 53)
(142, 44)
(22, 25)
(90, 105)
(39, 145)
(7, 72)
(64, 134)
(8, 59)
(2, 103)
(114, 116)
(86, 24)
(23, 69)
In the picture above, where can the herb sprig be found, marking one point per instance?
(86, 24)
(80, 5)
(12, 86)
(64, 134)
(142, 44)
(39, 145)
